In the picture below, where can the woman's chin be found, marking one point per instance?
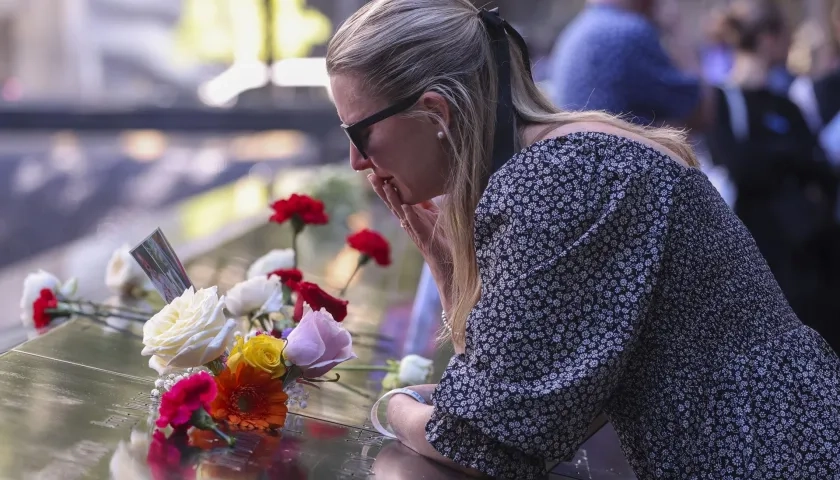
(411, 197)
(414, 199)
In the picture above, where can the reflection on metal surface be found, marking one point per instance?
(84, 342)
(62, 420)
(68, 421)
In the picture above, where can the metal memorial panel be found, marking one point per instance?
(63, 420)
(86, 342)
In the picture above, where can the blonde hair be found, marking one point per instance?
(398, 47)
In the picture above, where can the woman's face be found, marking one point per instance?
(405, 151)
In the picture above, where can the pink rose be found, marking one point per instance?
(318, 343)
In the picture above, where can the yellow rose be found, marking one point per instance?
(236, 353)
(262, 351)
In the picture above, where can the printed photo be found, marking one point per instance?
(157, 258)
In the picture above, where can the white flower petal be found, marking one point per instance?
(68, 289)
(249, 296)
(160, 366)
(32, 286)
(183, 333)
(415, 370)
(274, 260)
(123, 273)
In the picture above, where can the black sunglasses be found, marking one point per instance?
(356, 131)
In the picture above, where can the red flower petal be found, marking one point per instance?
(185, 397)
(46, 300)
(372, 244)
(304, 208)
(318, 299)
(289, 276)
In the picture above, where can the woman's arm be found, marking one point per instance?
(408, 419)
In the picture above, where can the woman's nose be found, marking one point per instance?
(357, 161)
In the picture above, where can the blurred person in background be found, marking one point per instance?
(717, 55)
(610, 58)
(785, 186)
(817, 91)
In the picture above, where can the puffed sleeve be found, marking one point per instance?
(569, 250)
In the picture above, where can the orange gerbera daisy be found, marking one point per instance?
(248, 398)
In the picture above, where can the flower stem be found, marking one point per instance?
(227, 438)
(122, 308)
(263, 323)
(95, 314)
(98, 308)
(292, 374)
(287, 295)
(347, 285)
(294, 247)
(363, 368)
(320, 380)
(216, 366)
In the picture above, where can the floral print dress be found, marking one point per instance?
(616, 280)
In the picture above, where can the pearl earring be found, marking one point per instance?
(441, 135)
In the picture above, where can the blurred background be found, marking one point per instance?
(111, 105)
(118, 116)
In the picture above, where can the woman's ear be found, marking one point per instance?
(435, 104)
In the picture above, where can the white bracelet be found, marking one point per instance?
(374, 411)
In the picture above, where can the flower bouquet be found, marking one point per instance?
(225, 362)
(293, 338)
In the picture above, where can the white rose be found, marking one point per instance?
(271, 261)
(255, 294)
(189, 332)
(415, 370)
(158, 365)
(123, 273)
(32, 286)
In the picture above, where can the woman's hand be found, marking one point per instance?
(420, 222)
(396, 462)
(408, 419)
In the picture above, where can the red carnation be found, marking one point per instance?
(290, 277)
(317, 299)
(371, 244)
(45, 301)
(185, 398)
(164, 457)
(301, 210)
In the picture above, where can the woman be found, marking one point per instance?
(786, 187)
(585, 266)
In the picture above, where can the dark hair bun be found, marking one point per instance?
(741, 24)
